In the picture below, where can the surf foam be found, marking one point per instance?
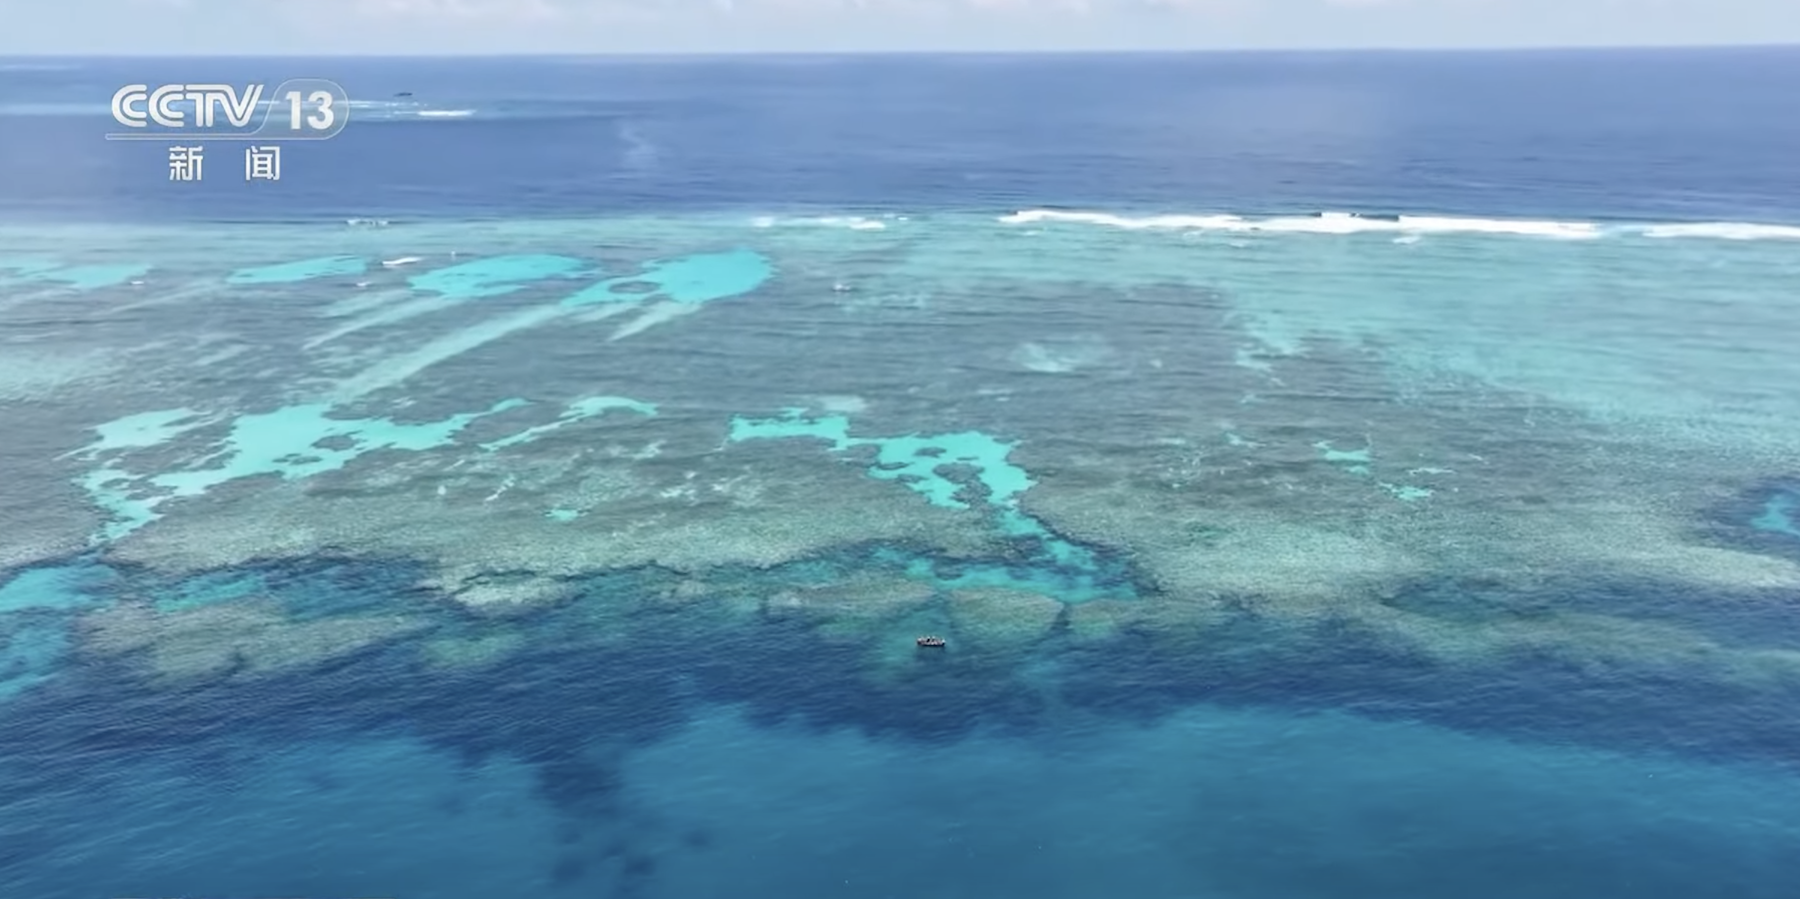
(853, 222)
(1723, 231)
(1322, 223)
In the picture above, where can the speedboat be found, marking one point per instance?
(931, 642)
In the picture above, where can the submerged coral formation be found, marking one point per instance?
(957, 465)
(242, 639)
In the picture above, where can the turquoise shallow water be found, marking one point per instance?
(1329, 561)
(427, 526)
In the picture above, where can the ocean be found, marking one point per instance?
(1335, 476)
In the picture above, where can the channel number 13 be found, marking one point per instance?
(322, 117)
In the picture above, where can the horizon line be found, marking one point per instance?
(1091, 51)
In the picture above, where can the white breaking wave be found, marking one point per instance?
(1324, 223)
(853, 222)
(1409, 227)
(1724, 231)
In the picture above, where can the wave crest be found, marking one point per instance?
(1724, 231)
(1408, 226)
(1322, 223)
(853, 222)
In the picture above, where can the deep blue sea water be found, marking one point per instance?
(1336, 476)
(1653, 135)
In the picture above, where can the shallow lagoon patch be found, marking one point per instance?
(1047, 562)
(500, 275)
(23, 269)
(142, 430)
(289, 442)
(705, 277)
(1778, 515)
(77, 277)
(700, 278)
(683, 284)
(1407, 492)
(292, 442)
(910, 459)
(1353, 461)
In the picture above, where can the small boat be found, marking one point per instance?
(931, 642)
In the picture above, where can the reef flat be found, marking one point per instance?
(1126, 474)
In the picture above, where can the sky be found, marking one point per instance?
(257, 27)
